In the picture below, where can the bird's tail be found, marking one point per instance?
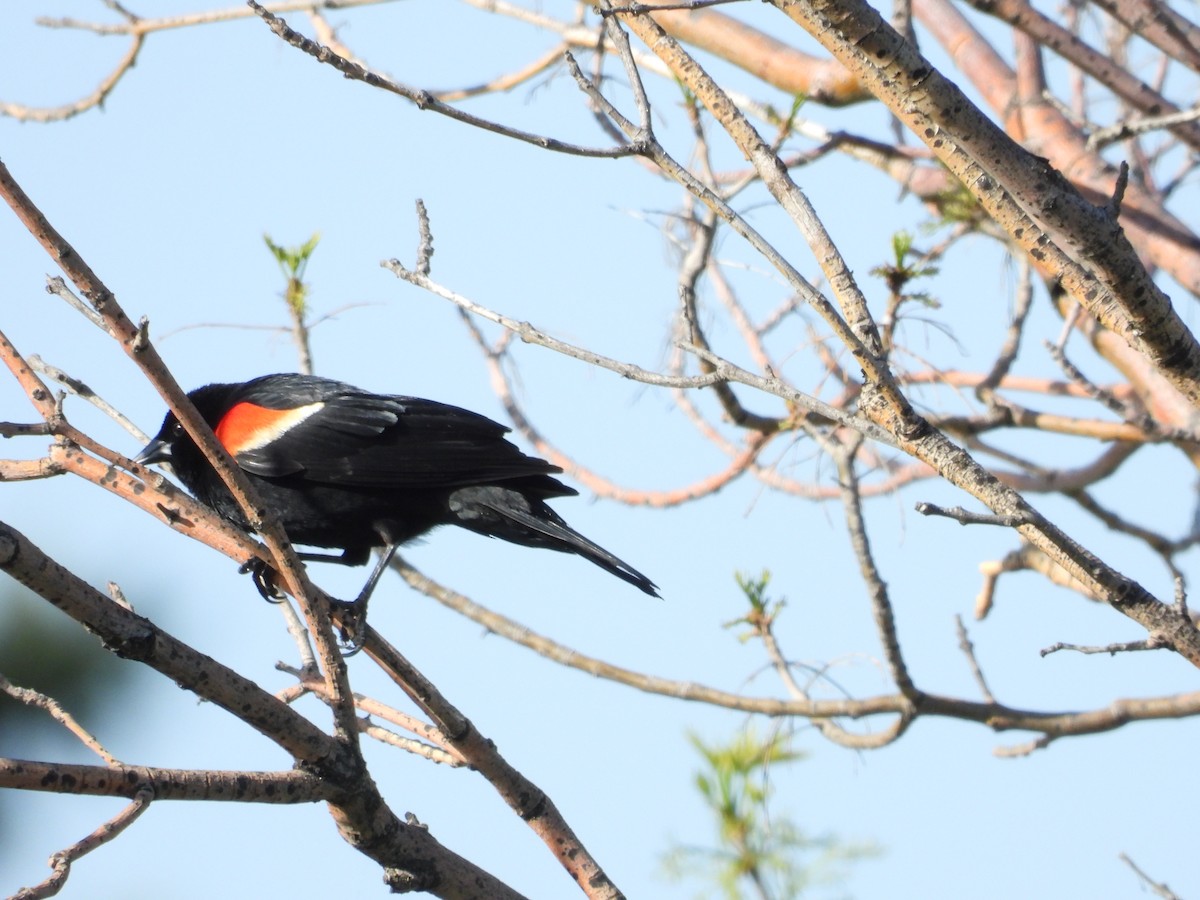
(519, 519)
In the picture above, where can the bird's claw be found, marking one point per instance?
(263, 577)
(352, 629)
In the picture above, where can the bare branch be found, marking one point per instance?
(1159, 889)
(61, 861)
(881, 604)
(532, 335)
(77, 387)
(120, 780)
(1052, 725)
(966, 517)
(36, 699)
(96, 98)
(533, 805)
(968, 649)
(741, 462)
(424, 99)
(1150, 643)
(1097, 264)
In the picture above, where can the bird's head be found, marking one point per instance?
(172, 441)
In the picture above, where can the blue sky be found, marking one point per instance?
(223, 133)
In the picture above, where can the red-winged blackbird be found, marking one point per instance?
(346, 469)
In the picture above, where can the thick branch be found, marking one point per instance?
(363, 818)
(534, 806)
(131, 636)
(1031, 200)
(168, 784)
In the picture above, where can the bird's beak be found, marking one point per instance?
(157, 451)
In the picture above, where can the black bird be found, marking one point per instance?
(346, 469)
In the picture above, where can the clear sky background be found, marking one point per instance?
(223, 133)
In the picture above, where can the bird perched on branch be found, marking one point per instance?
(346, 469)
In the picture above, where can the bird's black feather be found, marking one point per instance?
(353, 470)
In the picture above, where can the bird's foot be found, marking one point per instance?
(352, 627)
(353, 618)
(264, 579)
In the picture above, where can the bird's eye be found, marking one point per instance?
(177, 430)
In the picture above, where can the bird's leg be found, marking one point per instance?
(354, 612)
(345, 558)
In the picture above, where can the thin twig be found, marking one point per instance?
(966, 517)
(96, 98)
(78, 388)
(57, 285)
(532, 335)
(1159, 888)
(968, 649)
(1012, 337)
(877, 592)
(424, 99)
(61, 861)
(54, 709)
(1151, 642)
(742, 458)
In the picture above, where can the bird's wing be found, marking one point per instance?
(368, 440)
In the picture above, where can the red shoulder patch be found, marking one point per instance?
(248, 426)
